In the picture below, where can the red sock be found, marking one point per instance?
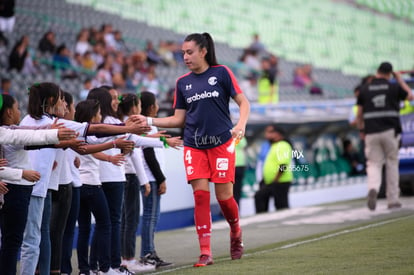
(202, 218)
(231, 213)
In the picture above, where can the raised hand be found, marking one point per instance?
(125, 145)
(117, 160)
(175, 142)
(137, 125)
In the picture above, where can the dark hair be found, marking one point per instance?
(102, 95)
(204, 40)
(385, 68)
(346, 143)
(39, 94)
(8, 102)
(5, 80)
(127, 102)
(147, 100)
(86, 110)
(68, 98)
(278, 129)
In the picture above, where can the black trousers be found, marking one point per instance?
(279, 192)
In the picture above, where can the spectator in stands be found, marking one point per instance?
(7, 17)
(119, 60)
(378, 116)
(139, 61)
(257, 45)
(4, 42)
(87, 86)
(166, 52)
(131, 76)
(277, 171)
(47, 44)
(120, 44)
(248, 84)
(88, 62)
(267, 84)
(302, 78)
(109, 38)
(82, 42)
(5, 88)
(62, 61)
(19, 54)
(98, 53)
(150, 82)
(104, 74)
(61, 58)
(152, 54)
(252, 60)
(95, 36)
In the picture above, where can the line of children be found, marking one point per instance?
(51, 205)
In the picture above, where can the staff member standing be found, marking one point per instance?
(277, 171)
(378, 117)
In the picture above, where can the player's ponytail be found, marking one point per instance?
(211, 52)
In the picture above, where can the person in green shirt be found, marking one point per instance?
(277, 171)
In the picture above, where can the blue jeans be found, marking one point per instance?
(68, 236)
(45, 248)
(130, 216)
(13, 217)
(61, 201)
(114, 193)
(150, 218)
(93, 201)
(31, 238)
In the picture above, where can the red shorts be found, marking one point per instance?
(216, 164)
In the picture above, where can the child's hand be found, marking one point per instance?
(117, 160)
(159, 134)
(147, 189)
(3, 188)
(31, 175)
(175, 142)
(162, 189)
(3, 162)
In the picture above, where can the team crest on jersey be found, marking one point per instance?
(212, 80)
(222, 164)
(188, 87)
(190, 170)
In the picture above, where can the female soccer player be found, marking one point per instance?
(202, 108)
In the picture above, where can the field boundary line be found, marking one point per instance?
(295, 244)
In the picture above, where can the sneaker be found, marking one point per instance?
(236, 247)
(94, 272)
(137, 266)
(153, 257)
(394, 205)
(204, 260)
(148, 260)
(372, 199)
(123, 270)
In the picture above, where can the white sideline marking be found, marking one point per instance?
(295, 244)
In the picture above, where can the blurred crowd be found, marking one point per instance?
(99, 55)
